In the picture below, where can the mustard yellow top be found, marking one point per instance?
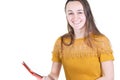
(81, 62)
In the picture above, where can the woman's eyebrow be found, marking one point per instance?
(69, 10)
(77, 10)
(80, 10)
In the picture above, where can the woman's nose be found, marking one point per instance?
(75, 17)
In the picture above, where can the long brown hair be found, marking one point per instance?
(90, 26)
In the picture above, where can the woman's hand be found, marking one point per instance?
(43, 78)
(39, 77)
(104, 78)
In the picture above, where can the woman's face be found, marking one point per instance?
(75, 15)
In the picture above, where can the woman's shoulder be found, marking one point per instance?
(58, 40)
(59, 37)
(101, 37)
(64, 37)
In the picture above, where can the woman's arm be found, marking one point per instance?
(55, 70)
(108, 70)
(54, 74)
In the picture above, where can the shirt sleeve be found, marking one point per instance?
(105, 50)
(56, 51)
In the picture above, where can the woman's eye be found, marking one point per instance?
(80, 12)
(70, 13)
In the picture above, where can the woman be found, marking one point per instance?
(84, 52)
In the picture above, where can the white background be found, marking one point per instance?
(29, 28)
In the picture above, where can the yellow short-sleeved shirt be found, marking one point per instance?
(81, 62)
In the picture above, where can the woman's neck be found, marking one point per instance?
(79, 33)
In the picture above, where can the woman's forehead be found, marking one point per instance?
(74, 5)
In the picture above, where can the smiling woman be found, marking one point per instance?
(29, 28)
(84, 51)
(75, 15)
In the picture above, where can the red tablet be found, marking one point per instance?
(31, 72)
